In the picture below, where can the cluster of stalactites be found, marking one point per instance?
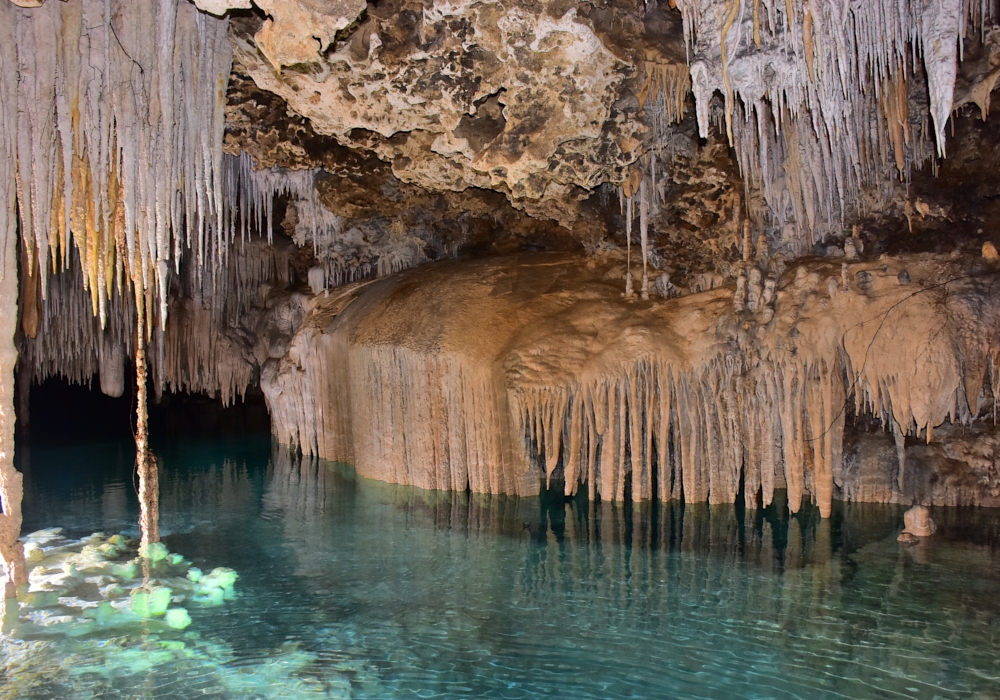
(668, 433)
(344, 253)
(116, 128)
(818, 95)
(306, 219)
(762, 414)
(204, 348)
(639, 192)
(663, 93)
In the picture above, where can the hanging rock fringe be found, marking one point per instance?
(203, 348)
(111, 123)
(674, 400)
(117, 124)
(816, 93)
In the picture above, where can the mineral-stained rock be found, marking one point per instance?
(516, 97)
(498, 374)
(220, 7)
(299, 32)
(960, 467)
(358, 186)
(918, 522)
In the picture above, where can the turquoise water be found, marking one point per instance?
(352, 588)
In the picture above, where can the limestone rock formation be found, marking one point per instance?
(536, 368)
(918, 522)
(520, 98)
(958, 468)
(247, 188)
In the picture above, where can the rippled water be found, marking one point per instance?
(352, 588)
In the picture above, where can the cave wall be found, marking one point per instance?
(338, 144)
(501, 374)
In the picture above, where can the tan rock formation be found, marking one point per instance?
(960, 467)
(14, 572)
(496, 375)
(517, 97)
(917, 521)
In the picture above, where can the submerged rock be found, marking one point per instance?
(81, 587)
(917, 521)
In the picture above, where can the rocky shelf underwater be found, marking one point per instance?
(350, 587)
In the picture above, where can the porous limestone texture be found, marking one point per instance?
(499, 374)
(960, 467)
(518, 97)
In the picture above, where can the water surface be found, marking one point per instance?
(352, 588)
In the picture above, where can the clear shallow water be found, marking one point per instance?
(352, 588)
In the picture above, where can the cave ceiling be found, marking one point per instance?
(489, 127)
(507, 126)
(426, 130)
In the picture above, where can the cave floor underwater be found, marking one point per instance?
(350, 587)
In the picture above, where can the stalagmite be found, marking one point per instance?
(740, 295)
(767, 297)
(917, 521)
(850, 250)
(755, 289)
(761, 256)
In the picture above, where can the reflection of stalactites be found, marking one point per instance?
(300, 491)
(781, 568)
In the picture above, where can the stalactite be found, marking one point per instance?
(345, 253)
(119, 138)
(644, 236)
(112, 120)
(145, 460)
(663, 95)
(751, 400)
(202, 349)
(11, 551)
(629, 292)
(817, 108)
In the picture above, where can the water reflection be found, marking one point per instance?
(662, 598)
(391, 591)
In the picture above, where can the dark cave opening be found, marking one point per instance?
(60, 412)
